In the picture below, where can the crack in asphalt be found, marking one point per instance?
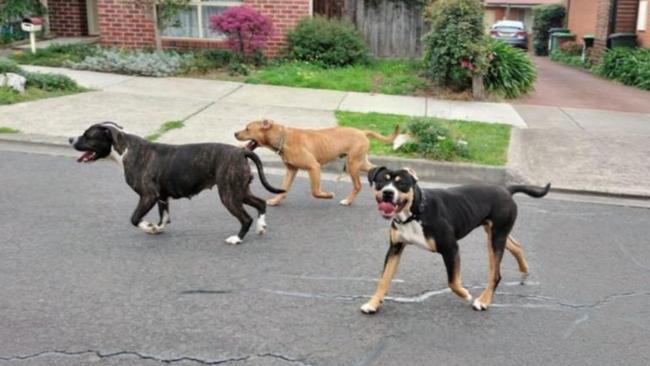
(154, 358)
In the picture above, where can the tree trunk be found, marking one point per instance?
(478, 88)
(158, 36)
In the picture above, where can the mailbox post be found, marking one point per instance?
(31, 26)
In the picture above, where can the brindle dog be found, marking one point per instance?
(158, 172)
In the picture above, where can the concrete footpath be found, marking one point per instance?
(576, 149)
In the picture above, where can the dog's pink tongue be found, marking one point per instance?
(386, 208)
(83, 158)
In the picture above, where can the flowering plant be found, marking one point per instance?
(247, 30)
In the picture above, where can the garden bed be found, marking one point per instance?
(436, 138)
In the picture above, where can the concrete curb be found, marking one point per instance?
(427, 170)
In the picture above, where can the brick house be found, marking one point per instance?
(127, 23)
(602, 18)
(522, 10)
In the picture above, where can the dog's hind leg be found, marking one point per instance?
(354, 168)
(518, 252)
(234, 203)
(260, 205)
(451, 257)
(496, 246)
(145, 205)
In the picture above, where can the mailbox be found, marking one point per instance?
(33, 24)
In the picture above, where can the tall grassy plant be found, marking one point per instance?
(453, 48)
(327, 42)
(631, 66)
(511, 72)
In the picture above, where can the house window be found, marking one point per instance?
(195, 21)
(642, 22)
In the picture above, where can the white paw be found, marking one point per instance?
(345, 202)
(233, 240)
(367, 308)
(469, 298)
(261, 225)
(524, 278)
(272, 203)
(149, 228)
(477, 305)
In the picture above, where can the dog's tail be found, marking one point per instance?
(379, 137)
(536, 192)
(260, 170)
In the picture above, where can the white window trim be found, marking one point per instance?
(199, 5)
(642, 20)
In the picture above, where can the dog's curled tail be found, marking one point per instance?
(379, 137)
(260, 170)
(536, 192)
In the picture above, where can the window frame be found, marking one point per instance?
(199, 4)
(642, 16)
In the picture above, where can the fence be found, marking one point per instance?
(391, 28)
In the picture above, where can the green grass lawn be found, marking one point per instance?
(55, 55)
(8, 130)
(167, 126)
(382, 76)
(10, 96)
(487, 143)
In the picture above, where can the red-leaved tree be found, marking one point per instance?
(248, 31)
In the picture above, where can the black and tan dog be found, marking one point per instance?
(435, 219)
(158, 172)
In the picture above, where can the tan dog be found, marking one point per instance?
(310, 149)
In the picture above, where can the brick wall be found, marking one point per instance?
(68, 17)
(603, 11)
(125, 23)
(285, 15)
(582, 18)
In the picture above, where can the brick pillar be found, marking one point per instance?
(125, 23)
(68, 18)
(603, 28)
(285, 14)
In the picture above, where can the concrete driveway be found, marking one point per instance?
(563, 86)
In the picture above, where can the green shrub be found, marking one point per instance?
(546, 17)
(134, 63)
(454, 47)
(9, 66)
(631, 66)
(511, 72)
(329, 43)
(431, 140)
(57, 54)
(206, 60)
(571, 49)
(50, 82)
(559, 56)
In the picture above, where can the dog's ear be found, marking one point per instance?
(117, 136)
(412, 174)
(266, 124)
(374, 173)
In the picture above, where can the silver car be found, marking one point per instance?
(511, 32)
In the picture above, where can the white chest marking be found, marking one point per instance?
(116, 157)
(412, 234)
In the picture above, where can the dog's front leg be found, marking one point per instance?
(390, 267)
(451, 256)
(314, 179)
(145, 204)
(289, 177)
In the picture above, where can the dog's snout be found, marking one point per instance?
(236, 135)
(388, 195)
(71, 140)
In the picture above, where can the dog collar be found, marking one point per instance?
(413, 217)
(278, 150)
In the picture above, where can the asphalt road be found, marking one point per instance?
(80, 286)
